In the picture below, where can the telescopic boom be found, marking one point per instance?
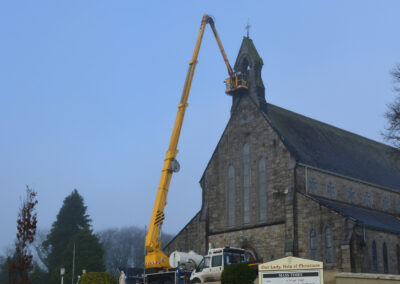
(155, 257)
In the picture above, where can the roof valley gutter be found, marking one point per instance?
(349, 178)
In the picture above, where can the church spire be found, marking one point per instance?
(249, 61)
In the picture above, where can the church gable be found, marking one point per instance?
(246, 179)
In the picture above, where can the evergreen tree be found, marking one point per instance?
(3, 269)
(38, 276)
(71, 219)
(88, 254)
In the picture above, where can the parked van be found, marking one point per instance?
(212, 265)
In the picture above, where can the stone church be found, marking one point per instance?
(282, 184)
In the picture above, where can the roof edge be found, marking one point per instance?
(357, 222)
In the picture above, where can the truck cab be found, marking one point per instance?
(212, 265)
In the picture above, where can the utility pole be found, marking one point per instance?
(73, 265)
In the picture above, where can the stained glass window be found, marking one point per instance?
(385, 203)
(328, 245)
(374, 257)
(262, 189)
(246, 183)
(231, 195)
(367, 199)
(312, 185)
(313, 244)
(350, 195)
(385, 259)
(330, 189)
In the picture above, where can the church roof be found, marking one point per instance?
(326, 147)
(363, 216)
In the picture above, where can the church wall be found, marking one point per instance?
(247, 125)
(311, 215)
(380, 238)
(346, 190)
(191, 237)
(265, 241)
(348, 240)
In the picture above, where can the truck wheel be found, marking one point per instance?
(196, 280)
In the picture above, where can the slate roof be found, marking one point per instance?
(326, 147)
(363, 216)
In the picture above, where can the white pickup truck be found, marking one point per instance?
(212, 265)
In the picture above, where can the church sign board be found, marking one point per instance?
(291, 270)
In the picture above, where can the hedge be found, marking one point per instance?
(238, 273)
(97, 278)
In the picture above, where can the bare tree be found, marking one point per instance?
(21, 264)
(392, 130)
(119, 247)
(124, 247)
(40, 252)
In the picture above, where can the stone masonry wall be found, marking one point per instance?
(311, 215)
(352, 244)
(247, 125)
(343, 189)
(364, 259)
(265, 242)
(191, 237)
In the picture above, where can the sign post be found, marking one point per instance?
(291, 270)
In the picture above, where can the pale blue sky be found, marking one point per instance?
(89, 89)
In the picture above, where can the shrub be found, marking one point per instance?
(238, 273)
(97, 278)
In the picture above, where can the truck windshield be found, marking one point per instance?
(233, 257)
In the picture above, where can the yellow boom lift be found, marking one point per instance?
(156, 258)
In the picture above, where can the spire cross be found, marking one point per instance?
(248, 28)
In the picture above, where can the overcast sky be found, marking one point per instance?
(89, 92)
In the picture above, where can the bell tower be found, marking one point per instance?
(249, 62)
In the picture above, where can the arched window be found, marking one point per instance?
(262, 190)
(231, 196)
(374, 258)
(328, 245)
(385, 259)
(246, 183)
(313, 244)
